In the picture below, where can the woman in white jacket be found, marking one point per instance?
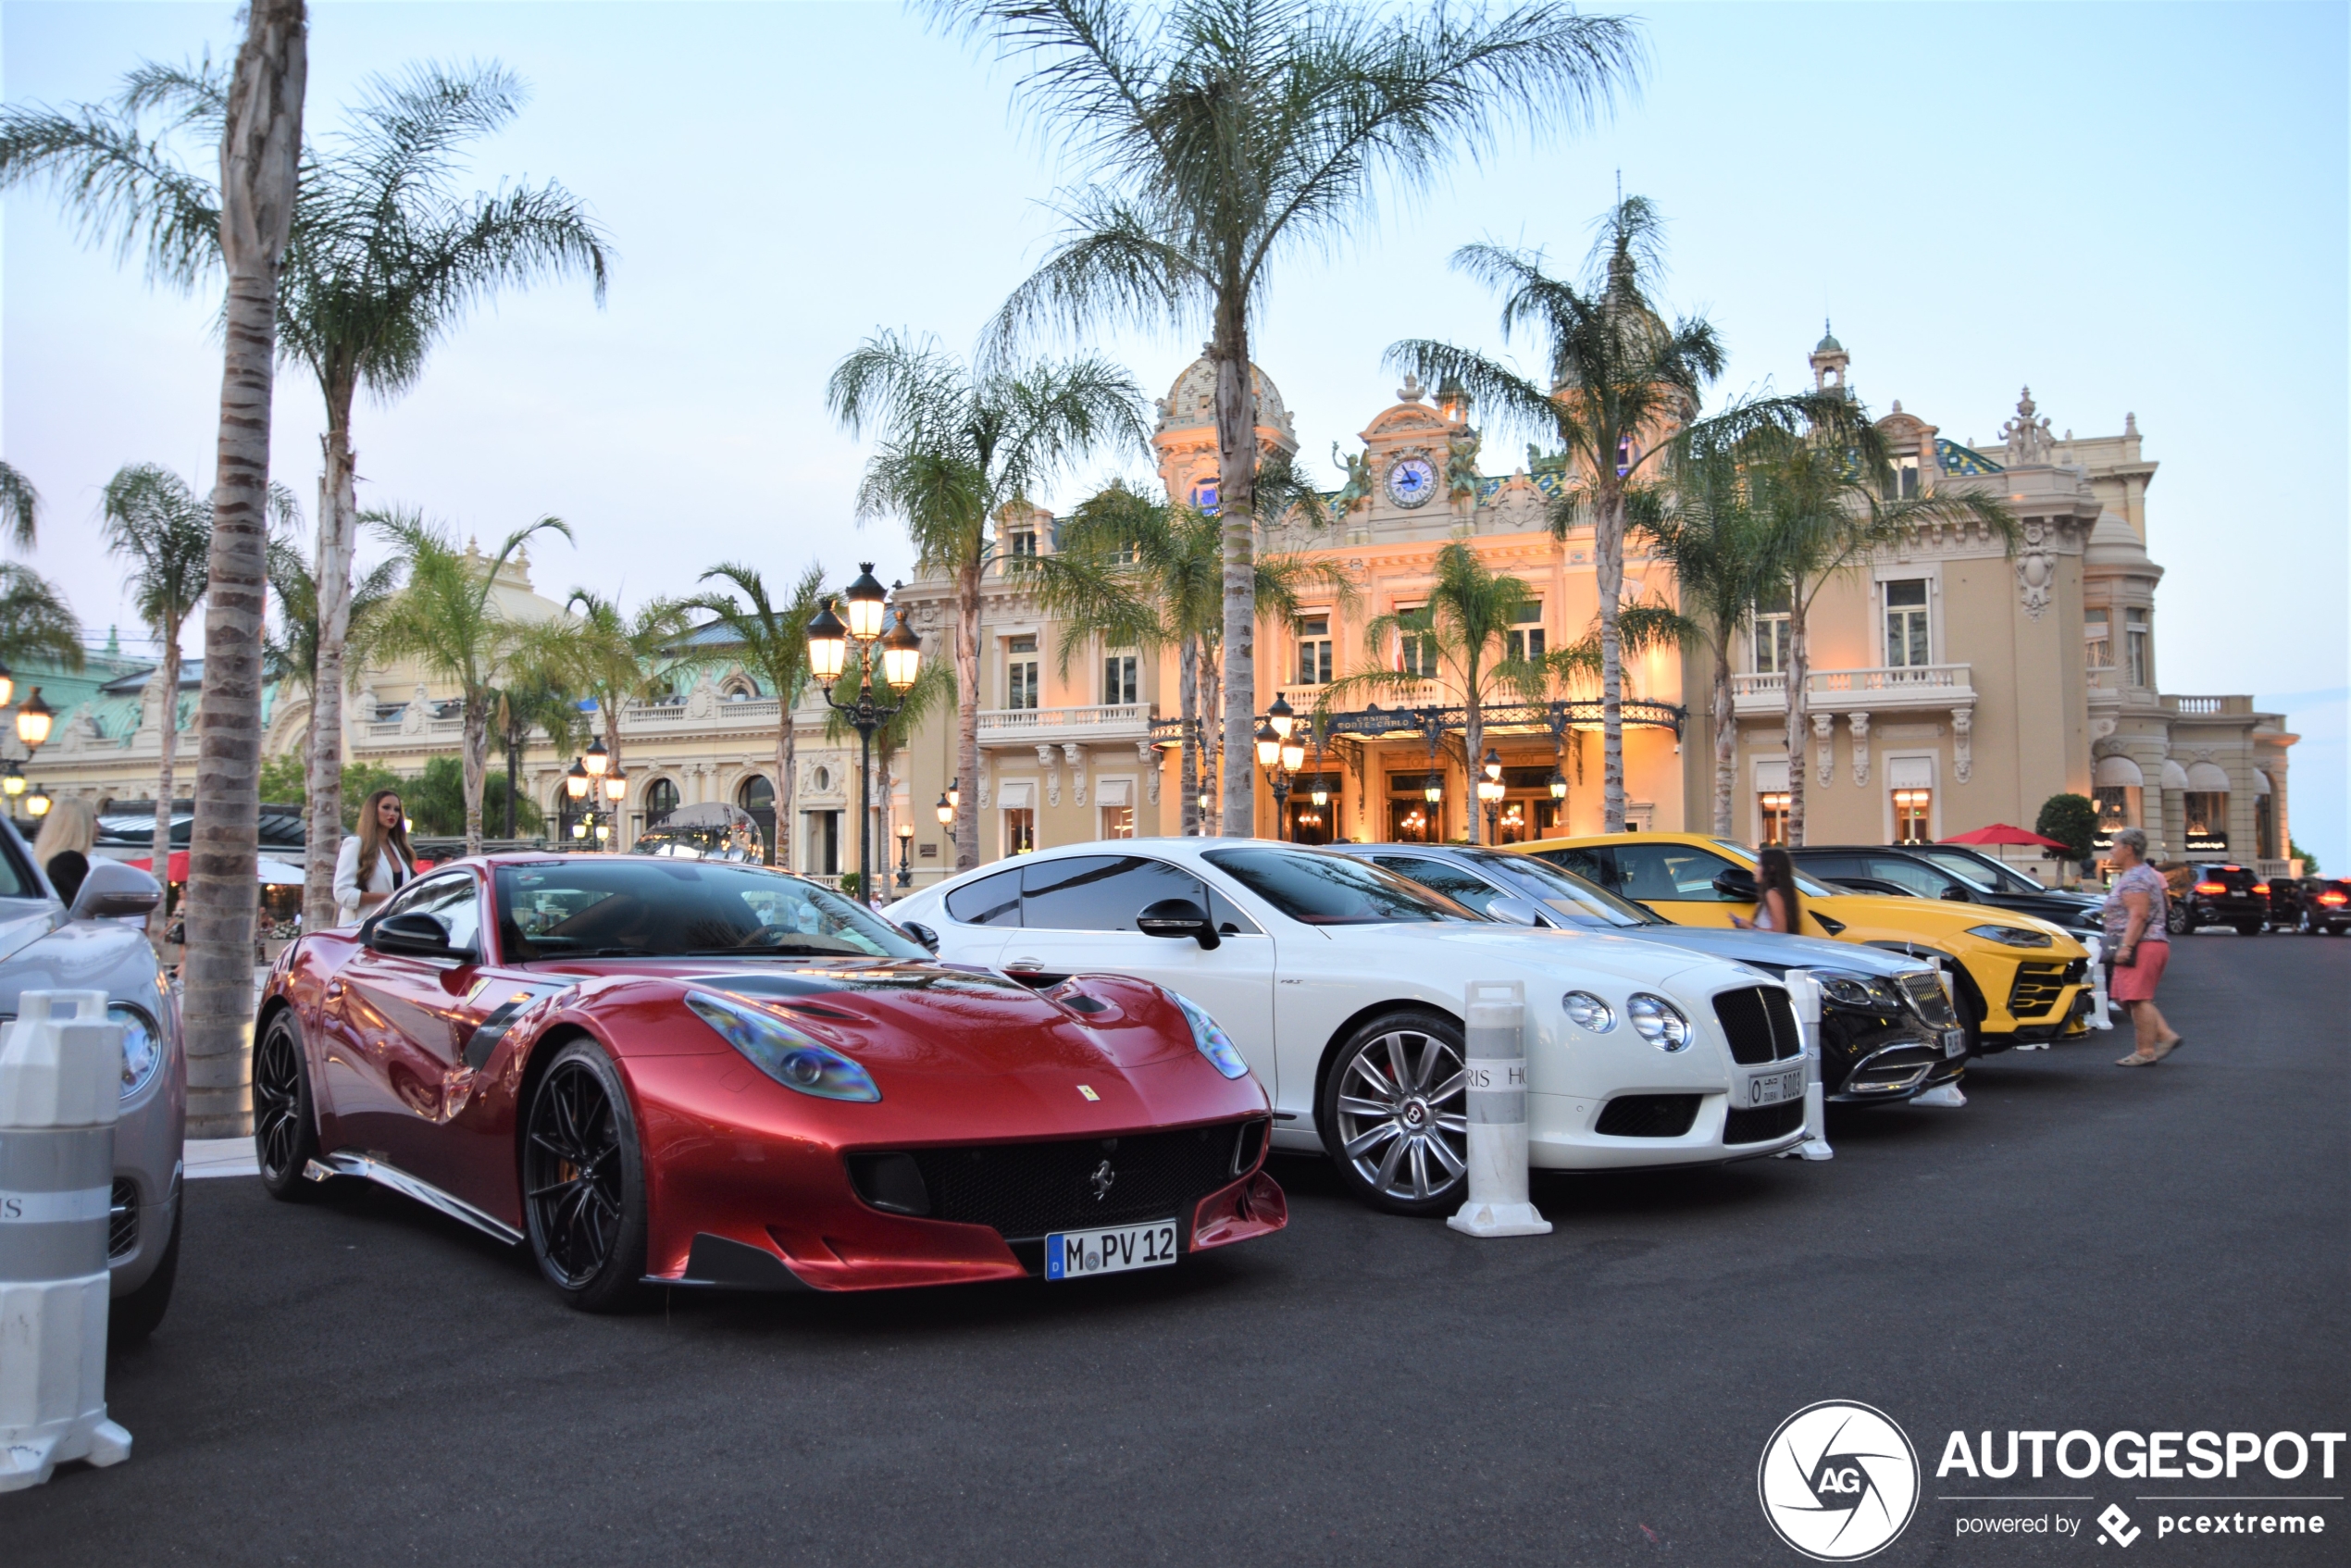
(380, 845)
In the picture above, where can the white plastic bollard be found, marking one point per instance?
(2100, 1018)
(1804, 995)
(1494, 1070)
(60, 1092)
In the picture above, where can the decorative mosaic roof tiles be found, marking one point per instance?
(1958, 459)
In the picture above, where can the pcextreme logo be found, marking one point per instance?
(1838, 1481)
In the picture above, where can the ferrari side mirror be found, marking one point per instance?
(113, 890)
(415, 935)
(1178, 917)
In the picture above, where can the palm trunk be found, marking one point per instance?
(260, 148)
(514, 772)
(967, 696)
(780, 854)
(1237, 503)
(1795, 714)
(605, 804)
(477, 765)
(168, 742)
(1473, 737)
(1187, 685)
(338, 532)
(1726, 735)
(1213, 738)
(1608, 556)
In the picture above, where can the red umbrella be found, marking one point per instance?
(2001, 833)
(177, 865)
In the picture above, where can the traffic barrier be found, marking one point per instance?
(1494, 1073)
(1804, 995)
(60, 1092)
(2099, 1016)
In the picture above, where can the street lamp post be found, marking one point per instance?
(899, 652)
(905, 854)
(34, 719)
(1434, 794)
(1280, 753)
(1490, 791)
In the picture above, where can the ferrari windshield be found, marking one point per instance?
(1562, 892)
(626, 907)
(1329, 889)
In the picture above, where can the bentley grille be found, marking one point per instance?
(1771, 1121)
(1760, 1025)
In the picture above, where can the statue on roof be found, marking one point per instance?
(1357, 491)
(1460, 462)
(2028, 438)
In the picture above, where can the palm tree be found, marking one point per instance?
(163, 531)
(615, 658)
(1135, 572)
(291, 658)
(771, 644)
(957, 449)
(19, 506)
(385, 256)
(447, 619)
(1617, 381)
(1230, 133)
(532, 699)
(36, 620)
(1826, 500)
(1463, 629)
(1707, 530)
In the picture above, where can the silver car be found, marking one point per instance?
(100, 944)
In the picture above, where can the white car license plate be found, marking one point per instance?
(1078, 1254)
(1770, 1089)
(1955, 1042)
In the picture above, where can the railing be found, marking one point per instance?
(2193, 706)
(1897, 685)
(1015, 724)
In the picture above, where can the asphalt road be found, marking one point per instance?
(356, 1381)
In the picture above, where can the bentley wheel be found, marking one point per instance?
(583, 1182)
(285, 1129)
(1395, 1107)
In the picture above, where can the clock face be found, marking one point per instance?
(1410, 482)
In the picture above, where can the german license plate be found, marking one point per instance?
(1079, 1254)
(1770, 1089)
(1955, 1042)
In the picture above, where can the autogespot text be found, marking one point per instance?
(2153, 1456)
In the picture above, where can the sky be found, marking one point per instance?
(2134, 209)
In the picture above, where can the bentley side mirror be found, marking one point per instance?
(1959, 895)
(415, 935)
(1511, 909)
(112, 891)
(1178, 917)
(1737, 884)
(921, 933)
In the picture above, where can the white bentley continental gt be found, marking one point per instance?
(1343, 987)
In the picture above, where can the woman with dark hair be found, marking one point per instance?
(381, 846)
(1776, 906)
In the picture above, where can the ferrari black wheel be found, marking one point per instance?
(583, 1181)
(1396, 1104)
(285, 1132)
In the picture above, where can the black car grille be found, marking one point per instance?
(1648, 1115)
(2037, 988)
(1769, 1121)
(1031, 1190)
(1927, 997)
(122, 1218)
(1760, 1025)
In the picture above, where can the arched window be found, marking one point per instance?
(757, 796)
(661, 799)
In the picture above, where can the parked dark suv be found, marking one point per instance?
(2326, 907)
(2213, 892)
(1875, 868)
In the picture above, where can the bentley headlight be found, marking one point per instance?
(1588, 1012)
(783, 1053)
(2014, 935)
(1657, 1021)
(1214, 1043)
(142, 1047)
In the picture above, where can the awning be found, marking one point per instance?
(2120, 773)
(2208, 778)
(271, 873)
(2174, 776)
(2260, 782)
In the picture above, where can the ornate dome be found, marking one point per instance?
(2114, 547)
(1828, 344)
(1190, 403)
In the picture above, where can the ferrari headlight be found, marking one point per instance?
(1588, 1012)
(1657, 1021)
(1214, 1043)
(783, 1053)
(2014, 935)
(142, 1047)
